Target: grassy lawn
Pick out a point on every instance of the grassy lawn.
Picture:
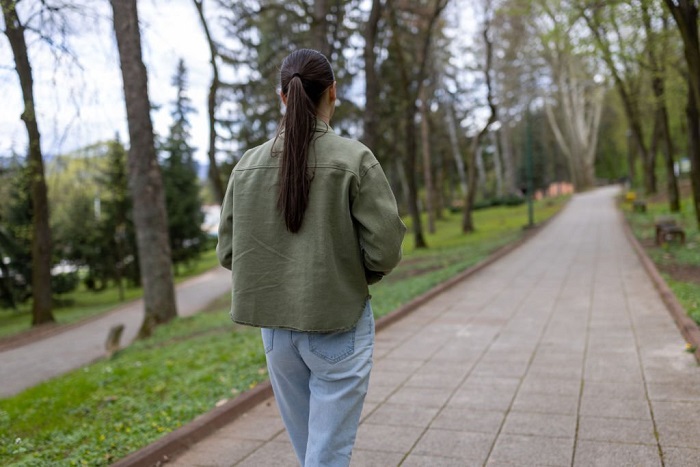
(679, 264)
(100, 413)
(83, 303)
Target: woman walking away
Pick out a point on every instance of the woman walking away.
(308, 221)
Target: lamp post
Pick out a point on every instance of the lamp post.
(529, 171)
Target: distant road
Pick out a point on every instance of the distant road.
(48, 357)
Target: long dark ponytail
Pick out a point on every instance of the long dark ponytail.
(304, 77)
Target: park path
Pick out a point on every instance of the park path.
(45, 358)
(561, 353)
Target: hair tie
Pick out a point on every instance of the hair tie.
(295, 74)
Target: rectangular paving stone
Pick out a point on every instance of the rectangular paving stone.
(471, 447)
(555, 386)
(403, 365)
(417, 415)
(537, 424)
(482, 398)
(613, 390)
(681, 457)
(524, 450)
(616, 430)
(377, 394)
(271, 455)
(387, 438)
(426, 379)
(677, 391)
(427, 397)
(215, 452)
(601, 454)
(546, 403)
(415, 460)
(469, 419)
(388, 378)
(673, 411)
(363, 458)
(615, 408)
(678, 433)
(252, 427)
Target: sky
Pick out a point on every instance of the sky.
(79, 105)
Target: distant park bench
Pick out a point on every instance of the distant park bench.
(668, 230)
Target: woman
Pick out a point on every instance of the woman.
(308, 221)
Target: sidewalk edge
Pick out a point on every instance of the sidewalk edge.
(168, 447)
(184, 437)
(689, 330)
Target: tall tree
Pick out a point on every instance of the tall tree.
(685, 14)
(369, 134)
(576, 94)
(214, 173)
(412, 71)
(656, 45)
(145, 181)
(180, 178)
(474, 147)
(622, 54)
(41, 232)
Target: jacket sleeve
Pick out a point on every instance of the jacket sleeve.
(380, 227)
(224, 247)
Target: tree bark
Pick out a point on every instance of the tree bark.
(456, 154)
(410, 110)
(319, 27)
(497, 164)
(214, 173)
(41, 231)
(369, 136)
(661, 133)
(467, 218)
(145, 183)
(693, 116)
(427, 163)
(685, 14)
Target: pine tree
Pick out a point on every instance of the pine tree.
(180, 178)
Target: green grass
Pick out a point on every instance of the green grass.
(679, 264)
(83, 303)
(100, 413)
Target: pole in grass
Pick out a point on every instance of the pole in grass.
(529, 170)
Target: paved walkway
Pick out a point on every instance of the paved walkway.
(561, 353)
(30, 364)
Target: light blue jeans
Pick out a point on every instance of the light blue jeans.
(320, 382)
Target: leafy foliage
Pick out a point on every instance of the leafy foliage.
(180, 179)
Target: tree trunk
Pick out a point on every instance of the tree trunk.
(41, 231)
(319, 28)
(427, 163)
(686, 16)
(214, 173)
(481, 172)
(694, 150)
(631, 159)
(145, 181)
(510, 181)
(497, 165)
(467, 219)
(456, 153)
(410, 135)
(369, 136)
(674, 199)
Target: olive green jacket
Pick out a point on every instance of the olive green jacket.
(314, 280)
